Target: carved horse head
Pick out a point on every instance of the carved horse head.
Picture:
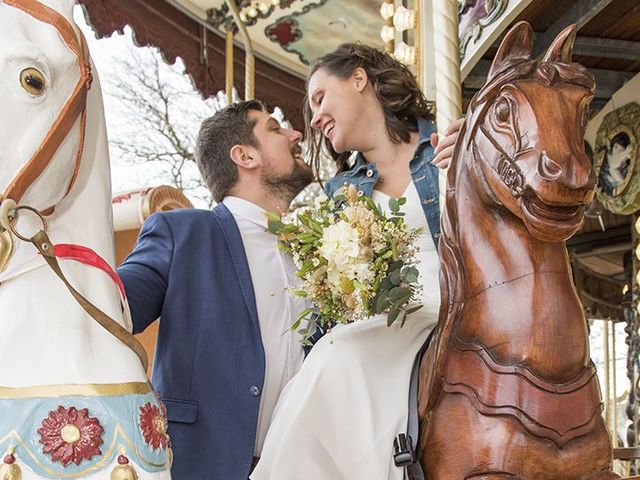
(45, 82)
(525, 133)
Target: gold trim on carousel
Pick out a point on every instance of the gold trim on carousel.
(87, 390)
(102, 463)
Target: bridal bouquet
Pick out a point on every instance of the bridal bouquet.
(353, 260)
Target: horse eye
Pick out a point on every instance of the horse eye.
(503, 111)
(33, 81)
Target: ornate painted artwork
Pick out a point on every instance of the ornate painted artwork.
(474, 16)
(250, 13)
(332, 21)
(615, 160)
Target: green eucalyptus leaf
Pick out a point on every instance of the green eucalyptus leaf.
(414, 308)
(381, 302)
(410, 274)
(397, 293)
(404, 319)
(393, 314)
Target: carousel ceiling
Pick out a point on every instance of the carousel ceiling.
(292, 33)
(287, 35)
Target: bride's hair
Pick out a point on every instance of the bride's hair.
(396, 89)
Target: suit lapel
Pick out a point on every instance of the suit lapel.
(238, 258)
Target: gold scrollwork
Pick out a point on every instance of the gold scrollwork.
(7, 247)
(88, 390)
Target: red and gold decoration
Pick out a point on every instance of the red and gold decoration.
(153, 423)
(124, 470)
(9, 470)
(71, 435)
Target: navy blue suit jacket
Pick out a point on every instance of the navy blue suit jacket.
(189, 268)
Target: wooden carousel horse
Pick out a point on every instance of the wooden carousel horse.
(507, 388)
(74, 398)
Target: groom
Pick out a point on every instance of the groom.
(217, 281)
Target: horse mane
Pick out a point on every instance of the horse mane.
(452, 270)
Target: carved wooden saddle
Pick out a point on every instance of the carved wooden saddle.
(558, 412)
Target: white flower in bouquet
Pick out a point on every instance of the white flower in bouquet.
(339, 245)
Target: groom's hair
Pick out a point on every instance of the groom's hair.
(218, 134)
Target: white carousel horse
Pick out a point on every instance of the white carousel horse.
(74, 399)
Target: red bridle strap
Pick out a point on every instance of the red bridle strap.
(74, 107)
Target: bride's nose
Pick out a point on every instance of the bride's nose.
(315, 121)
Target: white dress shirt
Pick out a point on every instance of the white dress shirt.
(272, 272)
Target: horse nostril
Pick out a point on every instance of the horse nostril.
(548, 168)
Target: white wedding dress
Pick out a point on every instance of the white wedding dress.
(337, 418)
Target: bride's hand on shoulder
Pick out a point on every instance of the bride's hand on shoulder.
(444, 149)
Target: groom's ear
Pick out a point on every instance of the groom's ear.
(244, 156)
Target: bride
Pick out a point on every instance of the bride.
(338, 417)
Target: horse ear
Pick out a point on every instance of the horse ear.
(562, 47)
(516, 46)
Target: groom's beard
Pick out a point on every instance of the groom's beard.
(289, 185)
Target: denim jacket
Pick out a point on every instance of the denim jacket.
(364, 177)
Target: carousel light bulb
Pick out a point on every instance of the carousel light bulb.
(638, 308)
(638, 252)
(404, 19)
(638, 226)
(405, 53)
(386, 10)
(264, 8)
(243, 17)
(638, 277)
(253, 12)
(387, 34)
(275, 3)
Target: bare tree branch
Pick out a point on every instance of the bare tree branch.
(161, 116)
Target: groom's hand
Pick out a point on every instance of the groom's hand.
(444, 149)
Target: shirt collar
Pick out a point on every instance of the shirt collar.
(247, 210)
(425, 129)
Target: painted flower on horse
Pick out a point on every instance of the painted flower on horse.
(354, 260)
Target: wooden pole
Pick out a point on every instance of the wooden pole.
(228, 72)
(249, 62)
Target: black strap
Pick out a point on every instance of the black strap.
(405, 444)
